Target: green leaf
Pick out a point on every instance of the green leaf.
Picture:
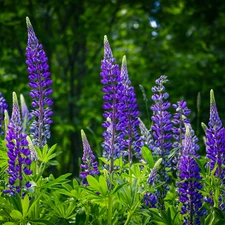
(200, 166)
(25, 205)
(93, 183)
(40, 222)
(15, 214)
(59, 180)
(147, 154)
(10, 223)
(103, 185)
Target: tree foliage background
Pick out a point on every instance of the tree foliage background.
(183, 39)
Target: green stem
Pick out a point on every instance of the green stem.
(130, 214)
(110, 208)
(87, 216)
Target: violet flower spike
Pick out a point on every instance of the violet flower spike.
(18, 152)
(3, 107)
(128, 115)
(178, 121)
(215, 140)
(189, 186)
(110, 79)
(89, 164)
(162, 134)
(39, 81)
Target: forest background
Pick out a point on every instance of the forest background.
(183, 39)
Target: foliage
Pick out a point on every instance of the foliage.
(119, 195)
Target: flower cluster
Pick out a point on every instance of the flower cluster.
(189, 187)
(18, 151)
(127, 114)
(179, 120)
(215, 139)
(162, 132)
(162, 126)
(39, 81)
(3, 107)
(89, 165)
(110, 79)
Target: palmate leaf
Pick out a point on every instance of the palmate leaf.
(46, 154)
(53, 182)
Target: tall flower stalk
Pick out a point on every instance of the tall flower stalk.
(89, 164)
(127, 115)
(189, 186)
(39, 81)
(179, 120)
(215, 139)
(18, 152)
(162, 133)
(3, 107)
(110, 79)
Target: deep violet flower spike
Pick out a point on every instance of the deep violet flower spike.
(127, 115)
(162, 134)
(110, 74)
(18, 152)
(39, 81)
(189, 186)
(3, 107)
(215, 139)
(89, 164)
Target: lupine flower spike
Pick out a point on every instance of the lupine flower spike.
(127, 115)
(150, 199)
(25, 113)
(18, 152)
(110, 79)
(189, 186)
(179, 119)
(89, 164)
(162, 133)
(39, 81)
(215, 139)
(3, 107)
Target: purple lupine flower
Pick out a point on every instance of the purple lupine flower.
(39, 81)
(215, 139)
(3, 107)
(162, 133)
(150, 200)
(162, 126)
(127, 113)
(18, 152)
(89, 165)
(179, 120)
(26, 117)
(146, 135)
(110, 79)
(189, 186)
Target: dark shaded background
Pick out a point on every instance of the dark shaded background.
(184, 39)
